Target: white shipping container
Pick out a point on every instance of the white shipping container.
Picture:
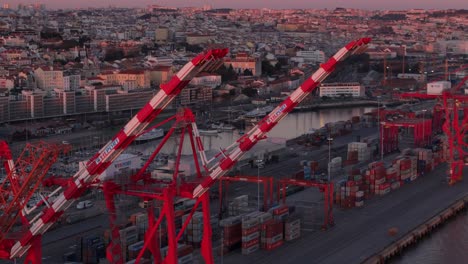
(437, 88)
(356, 146)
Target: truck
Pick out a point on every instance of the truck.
(84, 204)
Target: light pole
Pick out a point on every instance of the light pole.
(378, 126)
(424, 127)
(330, 139)
(259, 164)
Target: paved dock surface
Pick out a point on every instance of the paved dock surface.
(360, 232)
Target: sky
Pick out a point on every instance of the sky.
(277, 4)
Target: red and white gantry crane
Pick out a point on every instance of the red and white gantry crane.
(214, 168)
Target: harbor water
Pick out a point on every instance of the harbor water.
(449, 244)
(292, 126)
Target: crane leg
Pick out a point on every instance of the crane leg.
(34, 255)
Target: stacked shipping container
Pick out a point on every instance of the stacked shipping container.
(380, 180)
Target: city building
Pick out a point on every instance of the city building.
(13, 41)
(161, 35)
(4, 107)
(125, 100)
(197, 39)
(380, 54)
(49, 78)
(160, 74)
(342, 89)
(445, 47)
(207, 79)
(7, 83)
(243, 62)
(311, 56)
(71, 82)
(194, 95)
(131, 79)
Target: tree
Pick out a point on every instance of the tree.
(144, 49)
(114, 54)
(267, 68)
(62, 62)
(50, 35)
(250, 92)
(193, 48)
(83, 40)
(227, 73)
(248, 72)
(68, 44)
(278, 66)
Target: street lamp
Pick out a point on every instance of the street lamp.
(379, 129)
(424, 127)
(259, 166)
(330, 139)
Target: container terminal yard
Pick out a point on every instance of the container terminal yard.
(357, 191)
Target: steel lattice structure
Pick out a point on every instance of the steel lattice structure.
(208, 173)
(23, 178)
(207, 61)
(456, 131)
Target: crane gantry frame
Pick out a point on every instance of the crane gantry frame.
(215, 168)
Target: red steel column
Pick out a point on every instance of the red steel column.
(114, 249)
(153, 246)
(206, 245)
(168, 206)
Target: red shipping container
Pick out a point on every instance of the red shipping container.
(179, 213)
(279, 211)
(384, 186)
(267, 224)
(251, 243)
(248, 231)
(274, 245)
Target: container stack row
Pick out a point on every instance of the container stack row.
(251, 231)
(272, 234)
(194, 231)
(292, 228)
(338, 128)
(240, 205)
(231, 233)
(358, 152)
(128, 236)
(90, 249)
(379, 179)
(260, 230)
(184, 253)
(334, 166)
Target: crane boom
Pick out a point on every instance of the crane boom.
(207, 61)
(233, 153)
